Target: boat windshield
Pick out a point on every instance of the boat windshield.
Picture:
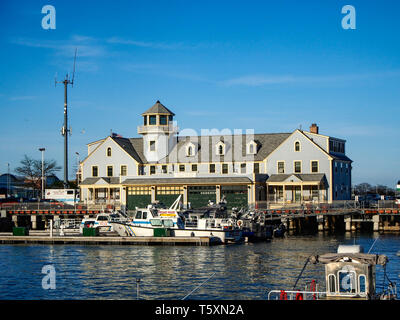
(156, 222)
(168, 223)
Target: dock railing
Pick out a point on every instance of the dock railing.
(295, 295)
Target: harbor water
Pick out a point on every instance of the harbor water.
(238, 272)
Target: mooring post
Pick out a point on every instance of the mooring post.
(51, 228)
(348, 223)
(15, 220)
(33, 221)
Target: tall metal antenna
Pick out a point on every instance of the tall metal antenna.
(64, 129)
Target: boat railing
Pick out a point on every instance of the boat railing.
(295, 295)
(191, 224)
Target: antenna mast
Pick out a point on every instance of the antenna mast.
(64, 129)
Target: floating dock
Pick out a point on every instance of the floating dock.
(80, 240)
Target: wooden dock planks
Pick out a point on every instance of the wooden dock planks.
(192, 241)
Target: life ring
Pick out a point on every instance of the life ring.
(299, 296)
(239, 223)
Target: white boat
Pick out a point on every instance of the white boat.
(156, 221)
(349, 275)
(101, 221)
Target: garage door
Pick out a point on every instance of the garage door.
(138, 197)
(198, 196)
(236, 196)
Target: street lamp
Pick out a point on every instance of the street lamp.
(8, 180)
(77, 167)
(42, 150)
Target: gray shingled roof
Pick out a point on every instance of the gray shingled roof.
(133, 146)
(266, 143)
(109, 180)
(305, 177)
(341, 157)
(158, 108)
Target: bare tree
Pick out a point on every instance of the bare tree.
(31, 169)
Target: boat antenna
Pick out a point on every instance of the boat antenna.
(302, 270)
(373, 244)
(198, 286)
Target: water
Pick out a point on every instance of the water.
(245, 271)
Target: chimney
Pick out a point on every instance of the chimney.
(314, 128)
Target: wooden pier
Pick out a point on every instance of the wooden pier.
(338, 216)
(101, 240)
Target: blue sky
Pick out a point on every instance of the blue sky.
(271, 66)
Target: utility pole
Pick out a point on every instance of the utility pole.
(8, 179)
(42, 150)
(65, 130)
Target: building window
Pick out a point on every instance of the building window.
(220, 148)
(212, 168)
(181, 168)
(194, 167)
(152, 169)
(256, 168)
(297, 146)
(314, 166)
(242, 168)
(163, 120)
(190, 151)
(109, 171)
(145, 120)
(164, 169)
(281, 167)
(139, 191)
(123, 170)
(297, 166)
(95, 171)
(251, 148)
(153, 120)
(224, 168)
(169, 190)
(152, 146)
(108, 152)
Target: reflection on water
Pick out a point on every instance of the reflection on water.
(246, 271)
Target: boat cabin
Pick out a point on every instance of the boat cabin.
(350, 273)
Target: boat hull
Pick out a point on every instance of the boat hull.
(130, 230)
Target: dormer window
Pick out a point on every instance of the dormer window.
(297, 146)
(252, 147)
(108, 152)
(190, 149)
(220, 148)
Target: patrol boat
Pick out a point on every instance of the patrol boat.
(156, 220)
(349, 274)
